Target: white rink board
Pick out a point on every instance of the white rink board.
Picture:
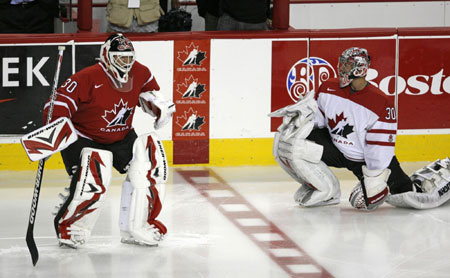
(369, 15)
(240, 86)
(240, 83)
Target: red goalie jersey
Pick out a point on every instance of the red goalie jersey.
(361, 124)
(98, 109)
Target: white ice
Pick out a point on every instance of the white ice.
(212, 235)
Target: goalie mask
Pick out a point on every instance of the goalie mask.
(117, 54)
(354, 62)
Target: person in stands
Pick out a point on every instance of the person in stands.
(28, 16)
(243, 15)
(135, 15)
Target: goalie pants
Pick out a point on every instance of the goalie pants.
(122, 152)
(398, 181)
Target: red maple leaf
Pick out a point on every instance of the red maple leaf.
(333, 123)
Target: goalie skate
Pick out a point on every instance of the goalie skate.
(151, 234)
(304, 196)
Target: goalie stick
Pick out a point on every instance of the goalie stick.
(40, 171)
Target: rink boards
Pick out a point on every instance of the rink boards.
(239, 79)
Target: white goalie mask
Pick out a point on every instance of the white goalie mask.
(354, 62)
(117, 54)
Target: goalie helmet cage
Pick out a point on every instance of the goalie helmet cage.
(31, 244)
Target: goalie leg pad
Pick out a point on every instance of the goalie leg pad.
(79, 212)
(300, 158)
(434, 182)
(143, 192)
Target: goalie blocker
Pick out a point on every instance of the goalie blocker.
(49, 139)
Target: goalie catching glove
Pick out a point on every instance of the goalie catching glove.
(297, 117)
(154, 104)
(431, 187)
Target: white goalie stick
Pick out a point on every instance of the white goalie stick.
(37, 184)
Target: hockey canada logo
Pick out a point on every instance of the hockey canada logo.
(191, 56)
(339, 126)
(190, 120)
(119, 115)
(298, 83)
(191, 88)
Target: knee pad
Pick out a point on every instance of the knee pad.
(143, 192)
(300, 158)
(78, 213)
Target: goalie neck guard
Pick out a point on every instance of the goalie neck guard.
(118, 56)
(354, 62)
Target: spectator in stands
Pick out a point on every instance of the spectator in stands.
(135, 15)
(243, 15)
(28, 16)
(174, 4)
(209, 10)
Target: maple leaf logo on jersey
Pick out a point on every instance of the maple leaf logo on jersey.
(190, 120)
(191, 88)
(340, 126)
(191, 56)
(119, 115)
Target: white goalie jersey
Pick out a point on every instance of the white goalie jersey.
(362, 124)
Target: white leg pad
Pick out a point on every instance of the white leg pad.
(143, 191)
(300, 158)
(434, 180)
(78, 214)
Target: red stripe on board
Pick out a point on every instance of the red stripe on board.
(280, 243)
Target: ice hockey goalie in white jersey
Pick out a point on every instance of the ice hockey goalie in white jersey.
(351, 124)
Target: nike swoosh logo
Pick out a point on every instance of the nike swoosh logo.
(98, 86)
(330, 90)
(6, 99)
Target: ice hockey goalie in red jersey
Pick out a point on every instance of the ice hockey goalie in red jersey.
(101, 101)
(351, 124)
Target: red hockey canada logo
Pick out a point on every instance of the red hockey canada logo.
(190, 120)
(340, 126)
(191, 88)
